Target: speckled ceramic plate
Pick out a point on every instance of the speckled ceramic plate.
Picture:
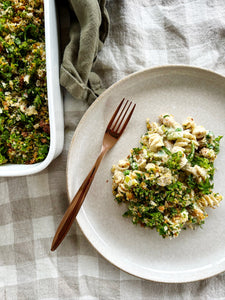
(182, 91)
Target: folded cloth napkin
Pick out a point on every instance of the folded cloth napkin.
(88, 31)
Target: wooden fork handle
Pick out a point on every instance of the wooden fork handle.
(75, 205)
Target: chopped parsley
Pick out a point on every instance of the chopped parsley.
(191, 155)
(174, 160)
(215, 144)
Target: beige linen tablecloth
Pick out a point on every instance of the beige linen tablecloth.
(143, 34)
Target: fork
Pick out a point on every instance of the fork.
(113, 132)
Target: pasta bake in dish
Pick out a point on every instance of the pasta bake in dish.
(24, 116)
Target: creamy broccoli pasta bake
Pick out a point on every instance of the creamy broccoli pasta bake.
(167, 182)
(24, 117)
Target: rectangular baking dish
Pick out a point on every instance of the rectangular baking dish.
(55, 99)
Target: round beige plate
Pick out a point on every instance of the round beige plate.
(182, 91)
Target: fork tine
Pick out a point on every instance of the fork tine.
(127, 120)
(115, 113)
(119, 115)
(116, 128)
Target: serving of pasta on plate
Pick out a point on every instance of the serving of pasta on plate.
(167, 182)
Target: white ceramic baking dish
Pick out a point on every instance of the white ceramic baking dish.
(55, 99)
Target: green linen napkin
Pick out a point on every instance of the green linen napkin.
(88, 30)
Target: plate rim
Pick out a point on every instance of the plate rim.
(79, 219)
